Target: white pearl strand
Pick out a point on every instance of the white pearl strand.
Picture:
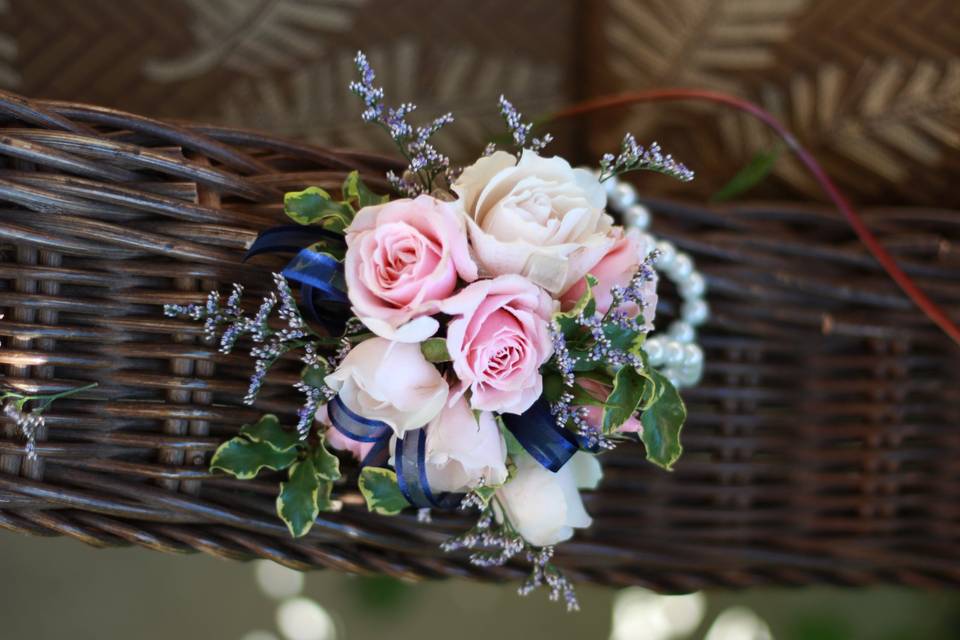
(677, 353)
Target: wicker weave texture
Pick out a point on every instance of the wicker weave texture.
(822, 445)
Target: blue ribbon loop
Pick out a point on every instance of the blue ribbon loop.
(355, 426)
(320, 276)
(288, 238)
(538, 432)
(409, 459)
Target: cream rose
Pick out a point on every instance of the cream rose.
(537, 217)
(546, 507)
(391, 382)
(464, 450)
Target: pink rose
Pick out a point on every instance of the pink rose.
(402, 259)
(498, 339)
(336, 440)
(594, 415)
(615, 269)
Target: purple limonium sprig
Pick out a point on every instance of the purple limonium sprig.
(428, 168)
(633, 157)
(494, 543)
(519, 130)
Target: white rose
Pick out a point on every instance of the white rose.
(463, 450)
(391, 382)
(538, 217)
(545, 507)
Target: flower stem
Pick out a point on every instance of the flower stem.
(933, 311)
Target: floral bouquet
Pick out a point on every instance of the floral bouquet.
(475, 342)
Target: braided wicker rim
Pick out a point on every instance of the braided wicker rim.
(822, 445)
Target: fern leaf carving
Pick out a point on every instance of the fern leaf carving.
(255, 36)
(313, 103)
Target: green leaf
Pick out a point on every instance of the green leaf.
(355, 189)
(336, 249)
(244, 459)
(552, 386)
(314, 376)
(313, 205)
(381, 491)
(268, 431)
(662, 423)
(750, 176)
(624, 339)
(624, 399)
(327, 465)
(324, 502)
(435, 350)
(297, 502)
(585, 305)
(514, 448)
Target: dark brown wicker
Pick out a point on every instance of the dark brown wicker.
(822, 446)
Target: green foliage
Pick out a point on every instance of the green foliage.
(624, 398)
(586, 305)
(244, 459)
(381, 491)
(662, 422)
(314, 376)
(354, 190)
(326, 464)
(435, 350)
(297, 503)
(268, 431)
(314, 206)
(750, 176)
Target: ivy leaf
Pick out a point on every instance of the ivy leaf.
(355, 189)
(268, 431)
(381, 491)
(514, 448)
(326, 464)
(333, 248)
(750, 176)
(552, 386)
(435, 350)
(585, 305)
(624, 339)
(662, 423)
(244, 459)
(622, 403)
(297, 503)
(313, 205)
(324, 502)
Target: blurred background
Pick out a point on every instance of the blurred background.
(873, 88)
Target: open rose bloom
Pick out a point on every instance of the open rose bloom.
(474, 338)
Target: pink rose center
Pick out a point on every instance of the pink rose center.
(502, 350)
(403, 256)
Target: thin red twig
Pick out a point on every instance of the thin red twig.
(905, 282)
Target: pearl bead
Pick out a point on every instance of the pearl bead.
(689, 376)
(681, 268)
(637, 216)
(672, 377)
(610, 185)
(692, 355)
(682, 331)
(693, 286)
(695, 311)
(623, 196)
(672, 352)
(654, 349)
(647, 243)
(668, 253)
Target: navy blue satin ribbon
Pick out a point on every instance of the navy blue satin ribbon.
(536, 429)
(355, 426)
(289, 238)
(379, 454)
(319, 275)
(409, 459)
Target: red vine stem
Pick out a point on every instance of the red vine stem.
(928, 306)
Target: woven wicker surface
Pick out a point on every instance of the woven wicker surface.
(822, 445)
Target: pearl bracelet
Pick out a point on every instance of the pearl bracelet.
(677, 353)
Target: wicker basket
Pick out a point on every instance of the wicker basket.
(822, 445)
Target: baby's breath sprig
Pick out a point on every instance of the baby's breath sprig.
(633, 157)
(30, 422)
(428, 168)
(493, 542)
(519, 130)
